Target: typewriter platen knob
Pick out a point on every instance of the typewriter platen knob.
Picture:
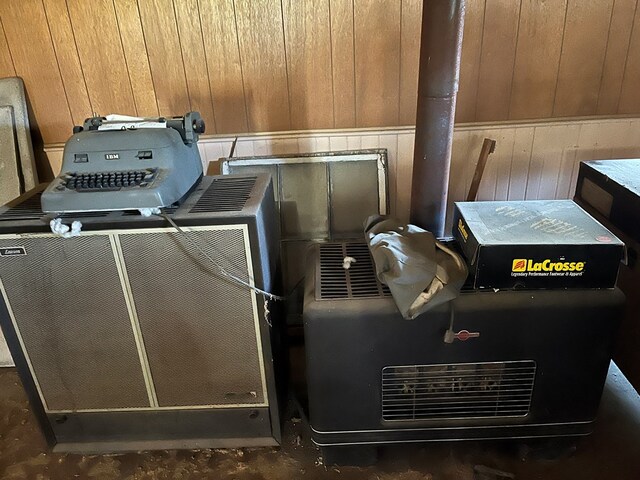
(198, 125)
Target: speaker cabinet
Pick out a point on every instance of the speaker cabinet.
(133, 336)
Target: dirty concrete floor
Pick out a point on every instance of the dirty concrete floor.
(613, 451)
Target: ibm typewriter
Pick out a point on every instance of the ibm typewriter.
(127, 163)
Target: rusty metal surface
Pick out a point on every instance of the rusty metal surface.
(440, 50)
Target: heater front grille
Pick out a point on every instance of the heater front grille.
(225, 195)
(455, 391)
(358, 281)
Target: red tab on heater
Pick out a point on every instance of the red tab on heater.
(464, 335)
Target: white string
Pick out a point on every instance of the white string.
(220, 268)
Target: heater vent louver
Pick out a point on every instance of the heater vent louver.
(225, 195)
(30, 209)
(455, 391)
(27, 210)
(359, 281)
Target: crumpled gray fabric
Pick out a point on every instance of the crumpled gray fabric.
(420, 271)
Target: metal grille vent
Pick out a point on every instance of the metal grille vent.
(27, 210)
(30, 209)
(81, 215)
(136, 213)
(461, 390)
(79, 360)
(193, 341)
(359, 281)
(225, 195)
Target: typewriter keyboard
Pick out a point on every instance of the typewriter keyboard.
(106, 181)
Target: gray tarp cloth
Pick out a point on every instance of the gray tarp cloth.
(420, 271)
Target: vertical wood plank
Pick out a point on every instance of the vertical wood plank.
(499, 39)
(558, 162)
(627, 145)
(616, 56)
(244, 148)
(460, 157)
(587, 147)
(520, 160)
(307, 29)
(165, 56)
(390, 142)
(306, 144)
(338, 143)
(342, 60)
(470, 61)
(195, 62)
(377, 62)
(630, 93)
(537, 58)
(411, 30)
(369, 141)
(64, 45)
(500, 161)
(586, 34)
(284, 146)
(218, 22)
(6, 63)
(35, 61)
(101, 56)
(549, 147)
(262, 52)
(597, 141)
(135, 53)
(322, 144)
(354, 142)
(404, 175)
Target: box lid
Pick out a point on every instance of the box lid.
(533, 222)
(624, 172)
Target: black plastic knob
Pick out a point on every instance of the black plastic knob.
(198, 125)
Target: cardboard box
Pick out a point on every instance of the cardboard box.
(536, 244)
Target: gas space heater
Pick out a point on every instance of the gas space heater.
(523, 364)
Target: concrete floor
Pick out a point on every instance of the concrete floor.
(612, 452)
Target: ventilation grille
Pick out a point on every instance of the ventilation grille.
(30, 209)
(359, 281)
(225, 195)
(136, 213)
(27, 210)
(453, 391)
(207, 372)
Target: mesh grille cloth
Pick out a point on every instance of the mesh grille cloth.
(198, 329)
(58, 292)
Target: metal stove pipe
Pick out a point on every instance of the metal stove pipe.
(440, 49)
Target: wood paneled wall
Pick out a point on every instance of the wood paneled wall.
(273, 65)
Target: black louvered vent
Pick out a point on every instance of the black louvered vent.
(460, 390)
(30, 209)
(81, 215)
(358, 281)
(225, 195)
(136, 213)
(27, 210)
